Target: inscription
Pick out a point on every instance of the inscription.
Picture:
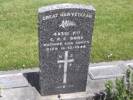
(68, 14)
(65, 86)
(66, 41)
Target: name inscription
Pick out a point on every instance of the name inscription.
(66, 41)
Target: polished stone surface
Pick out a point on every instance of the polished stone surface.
(65, 34)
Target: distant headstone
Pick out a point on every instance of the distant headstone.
(65, 34)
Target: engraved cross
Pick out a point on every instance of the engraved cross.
(65, 61)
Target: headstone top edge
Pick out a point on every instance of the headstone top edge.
(65, 6)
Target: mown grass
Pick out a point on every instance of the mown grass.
(112, 38)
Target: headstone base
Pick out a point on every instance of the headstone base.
(26, 88)
(70, 96)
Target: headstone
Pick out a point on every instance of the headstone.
(65, 34)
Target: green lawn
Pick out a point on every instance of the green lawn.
(112, 38)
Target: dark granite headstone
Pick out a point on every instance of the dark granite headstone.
(65, 33)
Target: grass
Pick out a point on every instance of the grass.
(112, 38)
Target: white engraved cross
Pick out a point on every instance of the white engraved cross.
(65, 61)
